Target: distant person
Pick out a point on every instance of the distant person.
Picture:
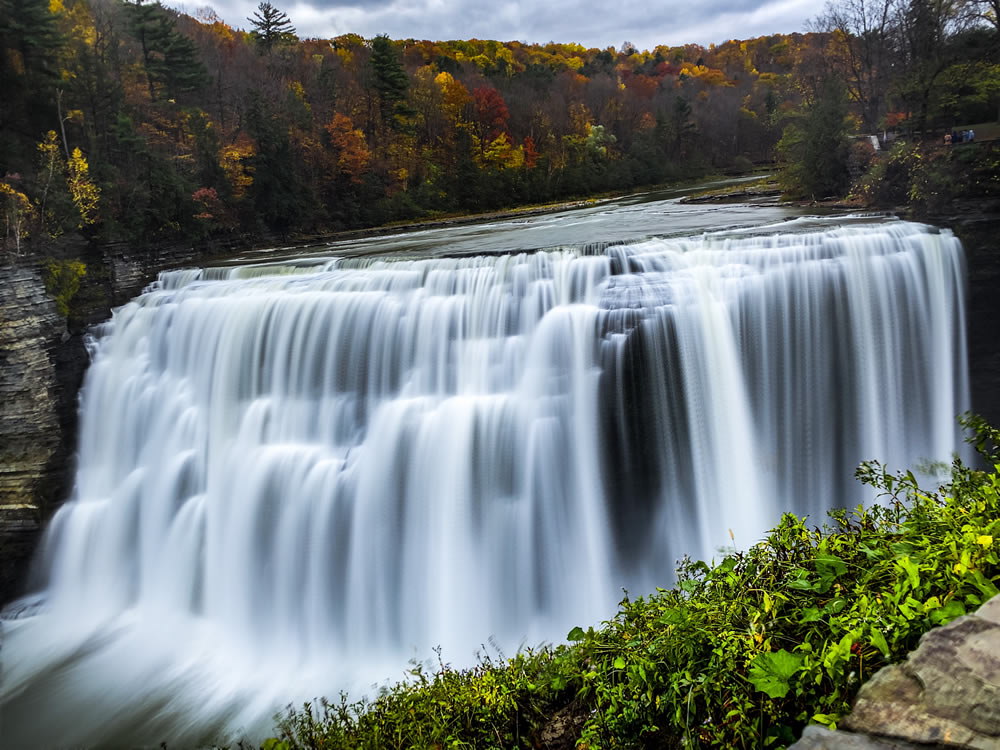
(972, 135)
(947, 139)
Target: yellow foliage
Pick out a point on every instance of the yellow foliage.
(86, 195)
(502, 155)
(49, 147)
(17, 214)
(239, 175)
(574, 63)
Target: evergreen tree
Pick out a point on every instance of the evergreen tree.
(29, 45)
(390, 82)
(271, 27)
(169, 57)
(813, 148)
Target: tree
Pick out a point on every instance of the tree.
(813, 148)
(863, 50)
(86, 195)
(29, 70)
(390, 82)
(271, 27)
(169, 57)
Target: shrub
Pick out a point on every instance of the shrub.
(740, 654)
(62, 281)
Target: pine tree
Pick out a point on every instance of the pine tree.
(271, 27)
(390, 81)
(169, 57)
(29, 47)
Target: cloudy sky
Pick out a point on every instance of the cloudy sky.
(593, 23)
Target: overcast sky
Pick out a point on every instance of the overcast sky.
(592, 23)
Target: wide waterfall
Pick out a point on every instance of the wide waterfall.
(295, 477)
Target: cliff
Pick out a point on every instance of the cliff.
(41, 368)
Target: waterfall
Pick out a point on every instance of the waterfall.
(292, 478)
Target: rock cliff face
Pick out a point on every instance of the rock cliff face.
(42, 364)
(41, 367)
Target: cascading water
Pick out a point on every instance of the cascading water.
(294, 478)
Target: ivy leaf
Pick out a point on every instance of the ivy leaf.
(619, 663)
(576, 634)
(770, 672)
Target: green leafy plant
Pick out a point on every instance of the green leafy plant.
(62, 281)
(741, 654)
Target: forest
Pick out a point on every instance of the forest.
(131, 121)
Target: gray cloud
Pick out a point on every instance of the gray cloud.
(588, 22)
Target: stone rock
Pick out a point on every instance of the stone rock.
(945, 695)
(820, 738)
(947, 692)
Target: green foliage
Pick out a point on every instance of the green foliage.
(929, 178)
(62, 282)
(740, 654)
(813, 149)
(169, 57)
(271, 27)
(390, 82)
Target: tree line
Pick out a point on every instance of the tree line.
(129, 120)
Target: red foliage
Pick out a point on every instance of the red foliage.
(491, 112)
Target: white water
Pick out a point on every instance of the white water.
(290, 483)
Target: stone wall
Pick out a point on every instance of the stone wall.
(977, 228)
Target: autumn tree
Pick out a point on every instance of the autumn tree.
(17, 215)
(271, 27)
(54, 204)
(863, 49)
(85, 194)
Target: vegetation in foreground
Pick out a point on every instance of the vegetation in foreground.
(739, 654)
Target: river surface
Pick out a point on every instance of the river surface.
(301, 469)
(658, 213)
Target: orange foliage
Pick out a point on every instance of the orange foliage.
(352, 150)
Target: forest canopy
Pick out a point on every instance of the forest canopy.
(130, 120)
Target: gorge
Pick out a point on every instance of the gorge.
(295, 476)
